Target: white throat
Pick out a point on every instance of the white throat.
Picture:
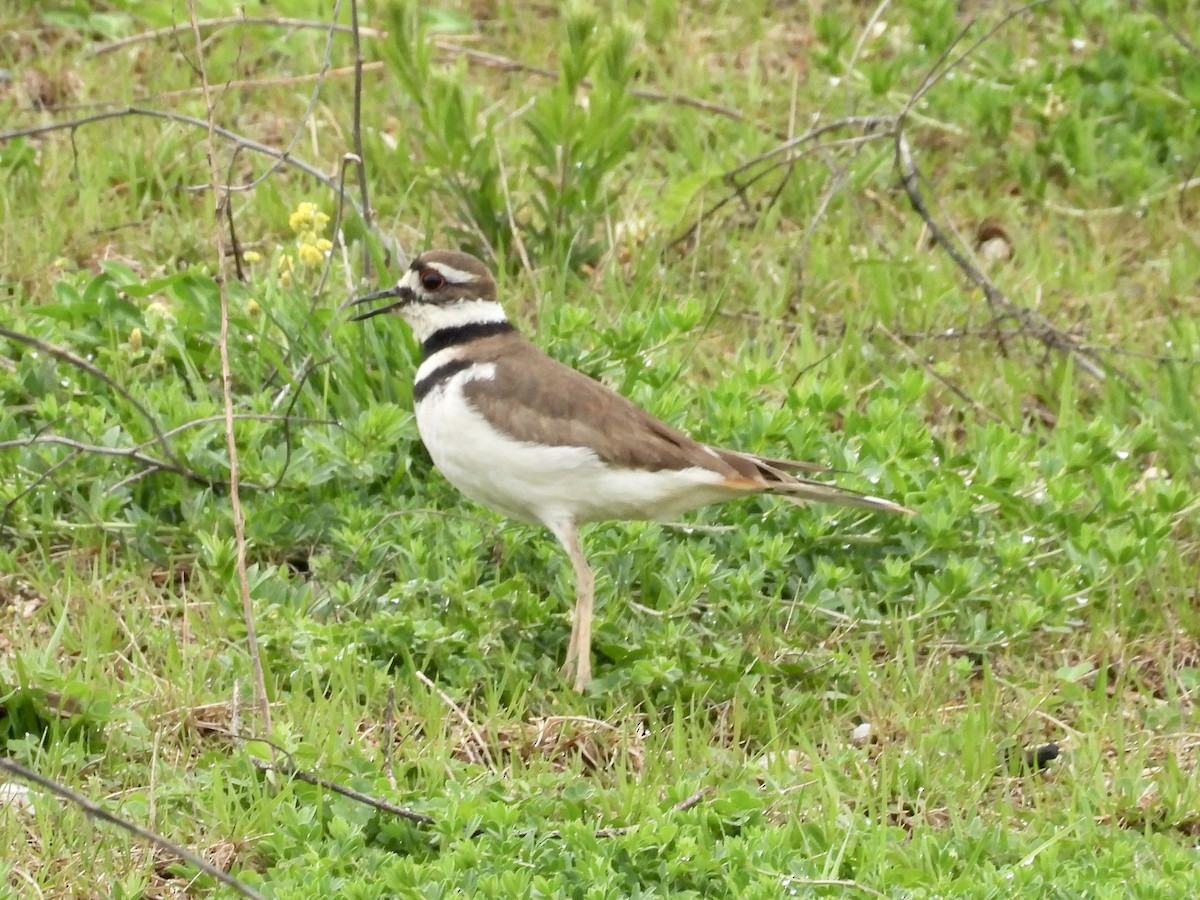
(428, 318)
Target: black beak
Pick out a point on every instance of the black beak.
(404, 295)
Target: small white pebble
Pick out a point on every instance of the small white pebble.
(861, 733)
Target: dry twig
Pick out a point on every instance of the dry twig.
(478, 57)
(221, 197)
(873, 128)
(308, 778)
(484, 750)
(98, 812)
(74, 359)
(131, 453)
(240, 140)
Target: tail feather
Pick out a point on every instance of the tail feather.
(801, 490)
(776, 476)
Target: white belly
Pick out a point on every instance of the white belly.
(539, 484)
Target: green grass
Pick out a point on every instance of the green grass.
(1045, 592)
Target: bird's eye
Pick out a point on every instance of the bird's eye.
(431, 280)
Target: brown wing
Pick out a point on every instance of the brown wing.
(536, 398)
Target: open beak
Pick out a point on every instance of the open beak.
(394, 291)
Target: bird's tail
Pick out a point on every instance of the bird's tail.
(777, 476)
(802, 490)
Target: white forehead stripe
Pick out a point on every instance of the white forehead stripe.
(453, 275)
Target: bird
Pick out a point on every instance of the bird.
(540, 442)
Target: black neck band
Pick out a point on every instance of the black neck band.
(462, 334)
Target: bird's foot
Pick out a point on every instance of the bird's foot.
(579, 670)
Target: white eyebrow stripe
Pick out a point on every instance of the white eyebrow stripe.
(453, 275)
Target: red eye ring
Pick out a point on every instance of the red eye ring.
(432, 280)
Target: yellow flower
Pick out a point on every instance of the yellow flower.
(286, 263)
(303, 217)
(252, 308)
(135, 339)
(307, 221)
(251, 256)
(310, 255)
(324, 245)
(285, 279)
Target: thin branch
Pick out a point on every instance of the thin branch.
(152, 464)
(389, 727)
(127, 111)
(791, 147)
(682, 806)
(1051, 337)
(463, 717)
(33, 486)
(245, 417)
(208, 24)
(356, 134)
(1170, 29)
(326, 62)
(338, 237)
(233, 84)
(879, 126)
(478, 57)
(221, 197)
(98, 812)
(74, 359)
(954, 388)
(938, 71)
(308, 778)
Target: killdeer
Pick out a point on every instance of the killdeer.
(524, 434)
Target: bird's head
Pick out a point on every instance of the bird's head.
(441, 289)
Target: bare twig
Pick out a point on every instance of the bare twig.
(74, 359)
(131, 453)
(42, 477)
(954, 388)
(874, 128)
(220, 198)
(233, 84)
(356, 135)
(308, 778)
(127, 111)
(326, 62)
(477, 57)
(1185, 42)
(98, 812)
(209, 24)
(940, 68)
(504, 64)
(244, 417)
(682, 806)
(348, 159)
(389, 729)
(877, 126)
(463, 717)
(1051, 337)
